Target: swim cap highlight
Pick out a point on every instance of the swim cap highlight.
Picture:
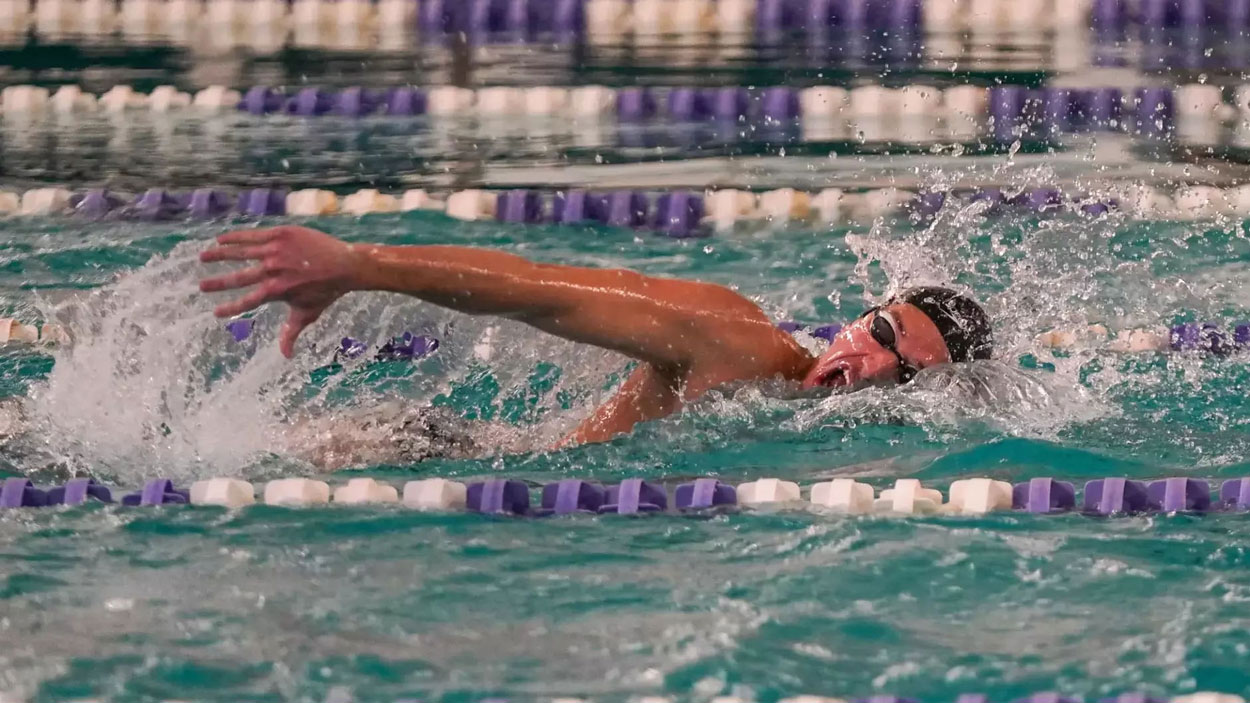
(962, 322)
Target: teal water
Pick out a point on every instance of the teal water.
(381, 603)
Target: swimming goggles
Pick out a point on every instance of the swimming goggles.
(882, 330)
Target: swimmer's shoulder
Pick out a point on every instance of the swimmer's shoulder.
(784, 356)
(770, 354)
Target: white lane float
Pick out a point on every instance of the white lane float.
(786, 205)
(370, 201)
(216, 98)
(365, 490)
(44, 201)
(297, 492)
(471, 205)
(592, 101)
(435, 494)
(727, 207)
(908, 497)
(226, 492)
(311, 202)
(977, 496)
(844, 495)
(768, 491)
(165, 98)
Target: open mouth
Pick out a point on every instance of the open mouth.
(833, 378)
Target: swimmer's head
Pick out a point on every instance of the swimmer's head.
(920, 327)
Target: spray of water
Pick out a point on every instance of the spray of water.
(154, 381)
(1033, 275)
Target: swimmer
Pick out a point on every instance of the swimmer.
(690, 337)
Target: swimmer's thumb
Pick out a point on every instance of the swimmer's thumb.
(294, 325)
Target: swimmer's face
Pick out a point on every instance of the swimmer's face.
(858, 357)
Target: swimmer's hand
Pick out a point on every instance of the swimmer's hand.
(306, 269)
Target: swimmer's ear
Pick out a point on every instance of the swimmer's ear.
(299, 319)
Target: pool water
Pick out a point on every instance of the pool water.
(383, 603)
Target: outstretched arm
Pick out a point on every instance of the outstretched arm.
(669, 323)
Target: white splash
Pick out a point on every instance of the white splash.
(154, 383)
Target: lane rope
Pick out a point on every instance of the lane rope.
(1112, 496)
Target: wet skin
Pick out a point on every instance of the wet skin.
(690, 336)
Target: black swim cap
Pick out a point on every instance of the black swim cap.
(964, 325)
